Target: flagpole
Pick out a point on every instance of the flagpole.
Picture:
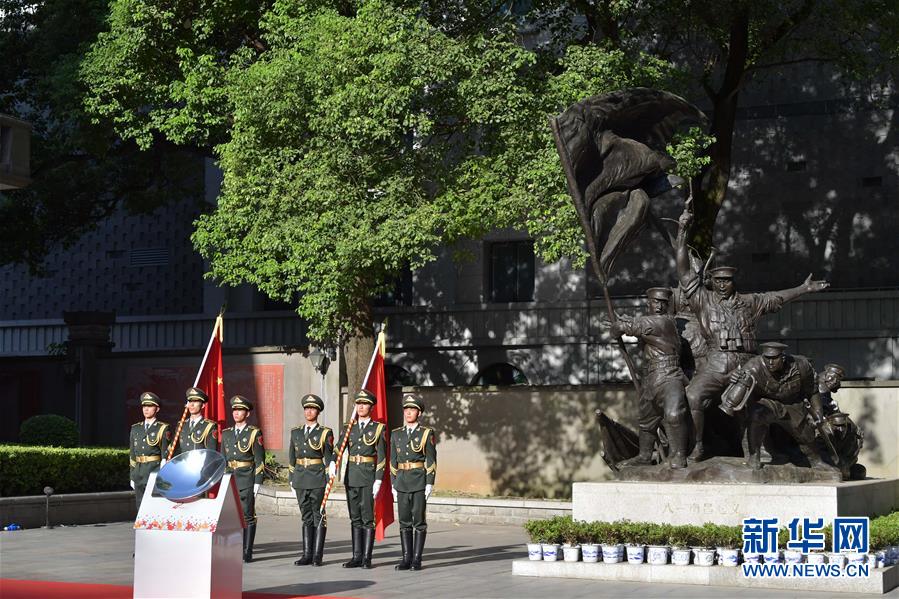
(215, 329)
(379, 347)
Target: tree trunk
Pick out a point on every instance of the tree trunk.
(710, 188)
(357, 352)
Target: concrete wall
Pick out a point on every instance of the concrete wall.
(75, 508)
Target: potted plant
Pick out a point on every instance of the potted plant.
(569, 532)
(610, 537)
(536, 530)
(551, 547)
(728, 540)
(590, 551)
(657, 539)
(704, 549)
(679, 539)
(634, 539)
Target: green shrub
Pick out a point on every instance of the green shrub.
(50, 430)
(26, 470)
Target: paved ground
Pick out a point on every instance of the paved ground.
(460, 561)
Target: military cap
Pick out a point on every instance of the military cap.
(195, 394)
(772, 349)
(836, 369)
(838, 418)
(366, 396)
(239, 401)
(659, 293)
(413, 400)
(149, 399)
(313, 401)
(722, 272)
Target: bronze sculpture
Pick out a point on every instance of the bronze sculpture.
(662, 398)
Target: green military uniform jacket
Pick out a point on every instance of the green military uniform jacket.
(147, 443)
(369, 445)
(201, 436)
(319, 445)
(419, 451)
(245, 454)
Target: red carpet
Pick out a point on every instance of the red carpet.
(34, 589)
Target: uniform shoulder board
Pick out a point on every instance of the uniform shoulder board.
(296, 428)
(250, 427)
(137, 424)
(326, 429)
(227, 429)
(397, 429)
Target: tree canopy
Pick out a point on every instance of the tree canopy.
(82, 169)
(357, 137)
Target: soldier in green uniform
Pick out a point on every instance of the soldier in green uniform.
(197, 432)
(413, 467)
(311, 463)
(149, 445)
(364, 472)
(243, 448)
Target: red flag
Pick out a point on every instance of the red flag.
(210, 376)
(376, 384)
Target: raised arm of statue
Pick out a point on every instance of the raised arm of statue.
(684, 271)
(808, 286)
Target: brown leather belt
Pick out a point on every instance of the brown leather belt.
(410, 465)
(362, 459)
(308, 461)
(143, 459)
(238, 464)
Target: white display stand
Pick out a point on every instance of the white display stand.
(191, 549)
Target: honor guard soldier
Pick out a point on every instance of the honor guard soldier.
(149, 444)
(197, 432)
(364, 472)
(245, 453)
(413, 467)
(311, 463)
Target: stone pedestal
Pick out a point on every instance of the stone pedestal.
(721, 503)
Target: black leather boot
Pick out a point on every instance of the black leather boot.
(368, 544)
(677, 444)
(249, 537)
(419, 547)
(406, 543)
(320, 533)
(356, 561)
(644, 458)
(699, 453)
(308, 545)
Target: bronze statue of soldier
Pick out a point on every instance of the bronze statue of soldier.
(662, 395)
(846, 437)
(727, 321)
(785, 392)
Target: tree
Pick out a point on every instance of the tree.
(82, 170)
(724, 46)
(356, 140)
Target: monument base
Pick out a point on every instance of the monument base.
(722, 503)
(730, 470)
(878, 581)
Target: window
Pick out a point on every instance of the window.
(511, 271)
(397, 376)
(499, 375)
(401, 294)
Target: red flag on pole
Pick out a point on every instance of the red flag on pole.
(376, 384)
(209, 378)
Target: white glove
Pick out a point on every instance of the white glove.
(392, 490)
(428, 489)
(332, 469)
(256, 488)
(132, 483)
(375, 488)
(162, 462)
